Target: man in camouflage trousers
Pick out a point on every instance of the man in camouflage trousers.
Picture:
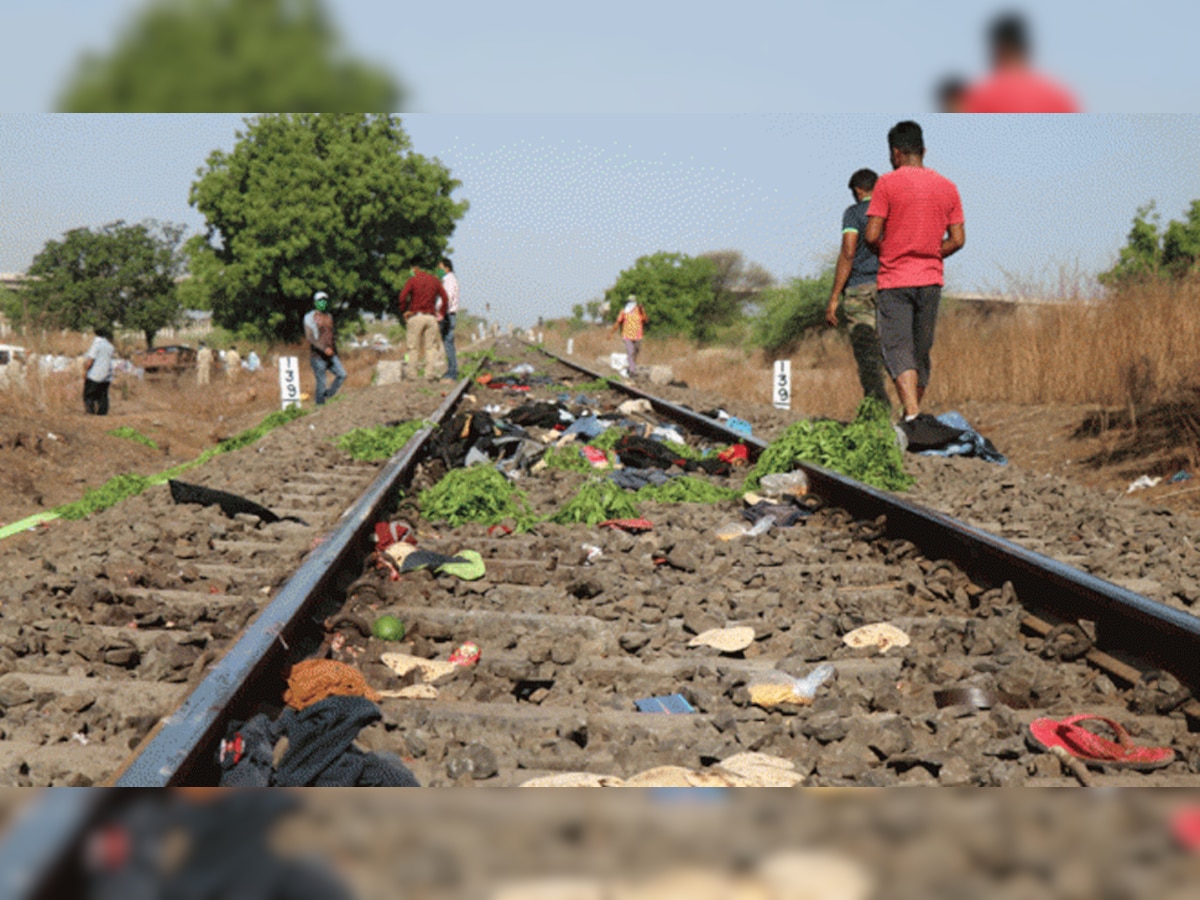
(852, 300)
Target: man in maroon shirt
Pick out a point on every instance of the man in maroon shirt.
(1013, 85)
(420, 308)
(915, 220)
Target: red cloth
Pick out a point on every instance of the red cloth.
(1018, 90)
(420, 295)
(737, 455)
(916, 204)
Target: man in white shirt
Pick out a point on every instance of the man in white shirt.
(446, 325)
(99, 374)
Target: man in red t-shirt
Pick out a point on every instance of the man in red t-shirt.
(1014, 86)
(420, 309)
(915, 220)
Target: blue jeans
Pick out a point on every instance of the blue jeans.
(321, 365)
(446, 327)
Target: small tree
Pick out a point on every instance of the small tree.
(117, 273)
(304, 202)
(595, 310)
(1142, 253)
(735, 282)
(787, 312)
(229, 56)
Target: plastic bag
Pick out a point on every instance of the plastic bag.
(781, 483)
(733, 530)
(773, 688)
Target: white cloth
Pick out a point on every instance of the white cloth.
(101, 354)
(450, 283)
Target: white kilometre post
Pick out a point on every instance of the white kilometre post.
(289, 382)
(781, 384)
(570, 346)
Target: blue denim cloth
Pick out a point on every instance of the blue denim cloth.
(971, 443)
(321, 365)
(446, 327)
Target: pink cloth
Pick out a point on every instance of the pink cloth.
(917, 205)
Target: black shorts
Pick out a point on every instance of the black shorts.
(905, 319)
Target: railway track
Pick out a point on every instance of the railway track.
(576, 624)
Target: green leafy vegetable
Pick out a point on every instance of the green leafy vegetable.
(250, 435)
(607, 439)
(596, 501)
(568, 458)
(478, 494)
(686, 490)
(600, 384)
(378, 443)
(133, 434)
(864, 450)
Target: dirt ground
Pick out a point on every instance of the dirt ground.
(51, 451)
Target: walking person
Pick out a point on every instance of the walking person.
(446, 324)
(854, 280)
(1013, 85)
(914, 221)
(318, 329)
(632, 321)
(423, 300)
(100, 373)
(204, 361)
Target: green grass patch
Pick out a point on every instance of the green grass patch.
(596, 501)
(132, 434)
(686, 490)
(250, 435)
(864, 450)
(608, 438)
(381, 442)
(108, 494)
(478, 494)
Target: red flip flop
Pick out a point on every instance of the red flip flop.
(1091, 748)
(633, 526)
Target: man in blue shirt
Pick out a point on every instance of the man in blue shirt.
(854, 278)
(100, 372)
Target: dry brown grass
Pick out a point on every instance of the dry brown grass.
(1134, 350)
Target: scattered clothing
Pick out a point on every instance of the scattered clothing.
(926, 433)
(636, 479)
(784, 514)
(968, 443)
(321, 753)
(313, 680)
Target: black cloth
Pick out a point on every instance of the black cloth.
(927, 433)
(231, 504)
(247, 753)
(95, 397)
(536, 415)
(644, 453)
(321, 752)
(450, 443)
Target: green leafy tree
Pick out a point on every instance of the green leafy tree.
(115, 274)
(735, 282)
(335, 202)
(229, 56)
(1142, 254)
(1181, 244)
(595, 309)
(672, 287)
(788, 311)
(577, 314)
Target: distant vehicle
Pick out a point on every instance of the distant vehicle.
(172, 359)
(10, 353)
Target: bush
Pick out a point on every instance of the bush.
(786, 313)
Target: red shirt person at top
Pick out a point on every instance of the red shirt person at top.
(1013, 85)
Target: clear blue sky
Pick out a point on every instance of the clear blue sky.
(560, 204)
(703, 56)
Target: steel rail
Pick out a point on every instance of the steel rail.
(1126, 623)
(181, 748)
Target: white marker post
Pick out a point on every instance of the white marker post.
(781, 389)
(570, 346)
(289, 382)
